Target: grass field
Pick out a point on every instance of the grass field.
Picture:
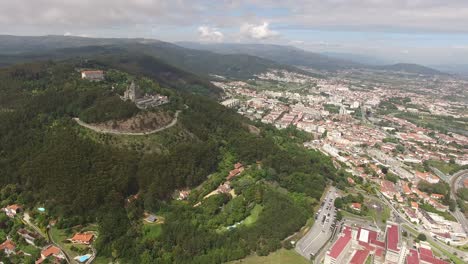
(59, 237)
(281, 256)
(445, 167)
(254, 214)
(152, 231)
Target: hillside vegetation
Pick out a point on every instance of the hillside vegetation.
(81, 179)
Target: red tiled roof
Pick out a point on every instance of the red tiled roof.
(340, 244)
(82, 237)
(393, 238)
(431, 260)
(425, 251)
(51, 250)
(14, 207)
(359, 257)
(412, 257)
(373, 239)
(8, 244)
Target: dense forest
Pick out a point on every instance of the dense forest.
(80, 180)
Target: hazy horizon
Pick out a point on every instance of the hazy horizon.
(430, 32)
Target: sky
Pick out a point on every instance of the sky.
(429, 32)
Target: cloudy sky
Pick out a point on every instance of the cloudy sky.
(422, 31)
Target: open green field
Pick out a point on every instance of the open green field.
(59, 236)
(152, 231)
(281, 256)
(445, 167)
(254, 214)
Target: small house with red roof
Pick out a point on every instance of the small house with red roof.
(82, 238)
(12, 210)
(238, 169)
(356, 206)
(8, 247)
(50, 252)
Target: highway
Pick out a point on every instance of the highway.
(321, 231)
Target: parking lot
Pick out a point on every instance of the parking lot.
(322, 229)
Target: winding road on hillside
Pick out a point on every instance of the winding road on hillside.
(116, 132)
(27, 221)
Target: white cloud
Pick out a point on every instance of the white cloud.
(210, 34)
(67, 34)
(258, 32)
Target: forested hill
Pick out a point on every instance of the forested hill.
(135, 62)
(14, 49)
(83, 178)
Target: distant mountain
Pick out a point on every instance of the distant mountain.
(201, 62)
(460, 69)
(410, 68)
(282, 54)
(359, 58)
(297, 57)
(238, 61)
(21, 44)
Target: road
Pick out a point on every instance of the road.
(27, 221)
(456, 181)
(116, 132)
(318, 235)
(401, 218)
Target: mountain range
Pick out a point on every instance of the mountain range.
(237, 61)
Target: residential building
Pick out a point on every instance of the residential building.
(29, 237)
(238, 169)
(12, 210)
(356, 206)
(50, 252)
(8, 247)
(82, 238)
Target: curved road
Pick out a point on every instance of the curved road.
(454, 184)
(27, 221)
(115, 132)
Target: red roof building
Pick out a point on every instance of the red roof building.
(356, 206)
(82, 238)
(12, 210)
(238, 169)
(339, 248)
(393, 243)
(49, 252)
(424, 256)
(360, 257)
(8, 247)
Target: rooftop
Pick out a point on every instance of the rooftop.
(393, 238)
(340, 244)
